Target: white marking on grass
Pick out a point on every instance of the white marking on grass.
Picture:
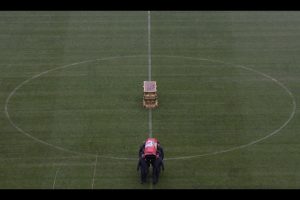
(163, 56)
(260, 139)
(149, 69)
(82, 163)
(53, 187)
(48, 158)
(43, 73)
(149, 45)
(94, 172)
(150, 122)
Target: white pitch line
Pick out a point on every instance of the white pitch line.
(257, 140)
(151, 186)
(40, 157)
(150, 122)
(53, 187)
(149, 69)
(94, 172)
(149, 73)
(46, 72)
(162, 56)
(57, 164)
(149, 45)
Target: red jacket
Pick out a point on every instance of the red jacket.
(150, 146)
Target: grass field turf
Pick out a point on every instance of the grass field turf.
(95, 108)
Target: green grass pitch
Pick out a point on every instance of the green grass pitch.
(71, 112)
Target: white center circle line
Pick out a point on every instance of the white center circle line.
(163, 56)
